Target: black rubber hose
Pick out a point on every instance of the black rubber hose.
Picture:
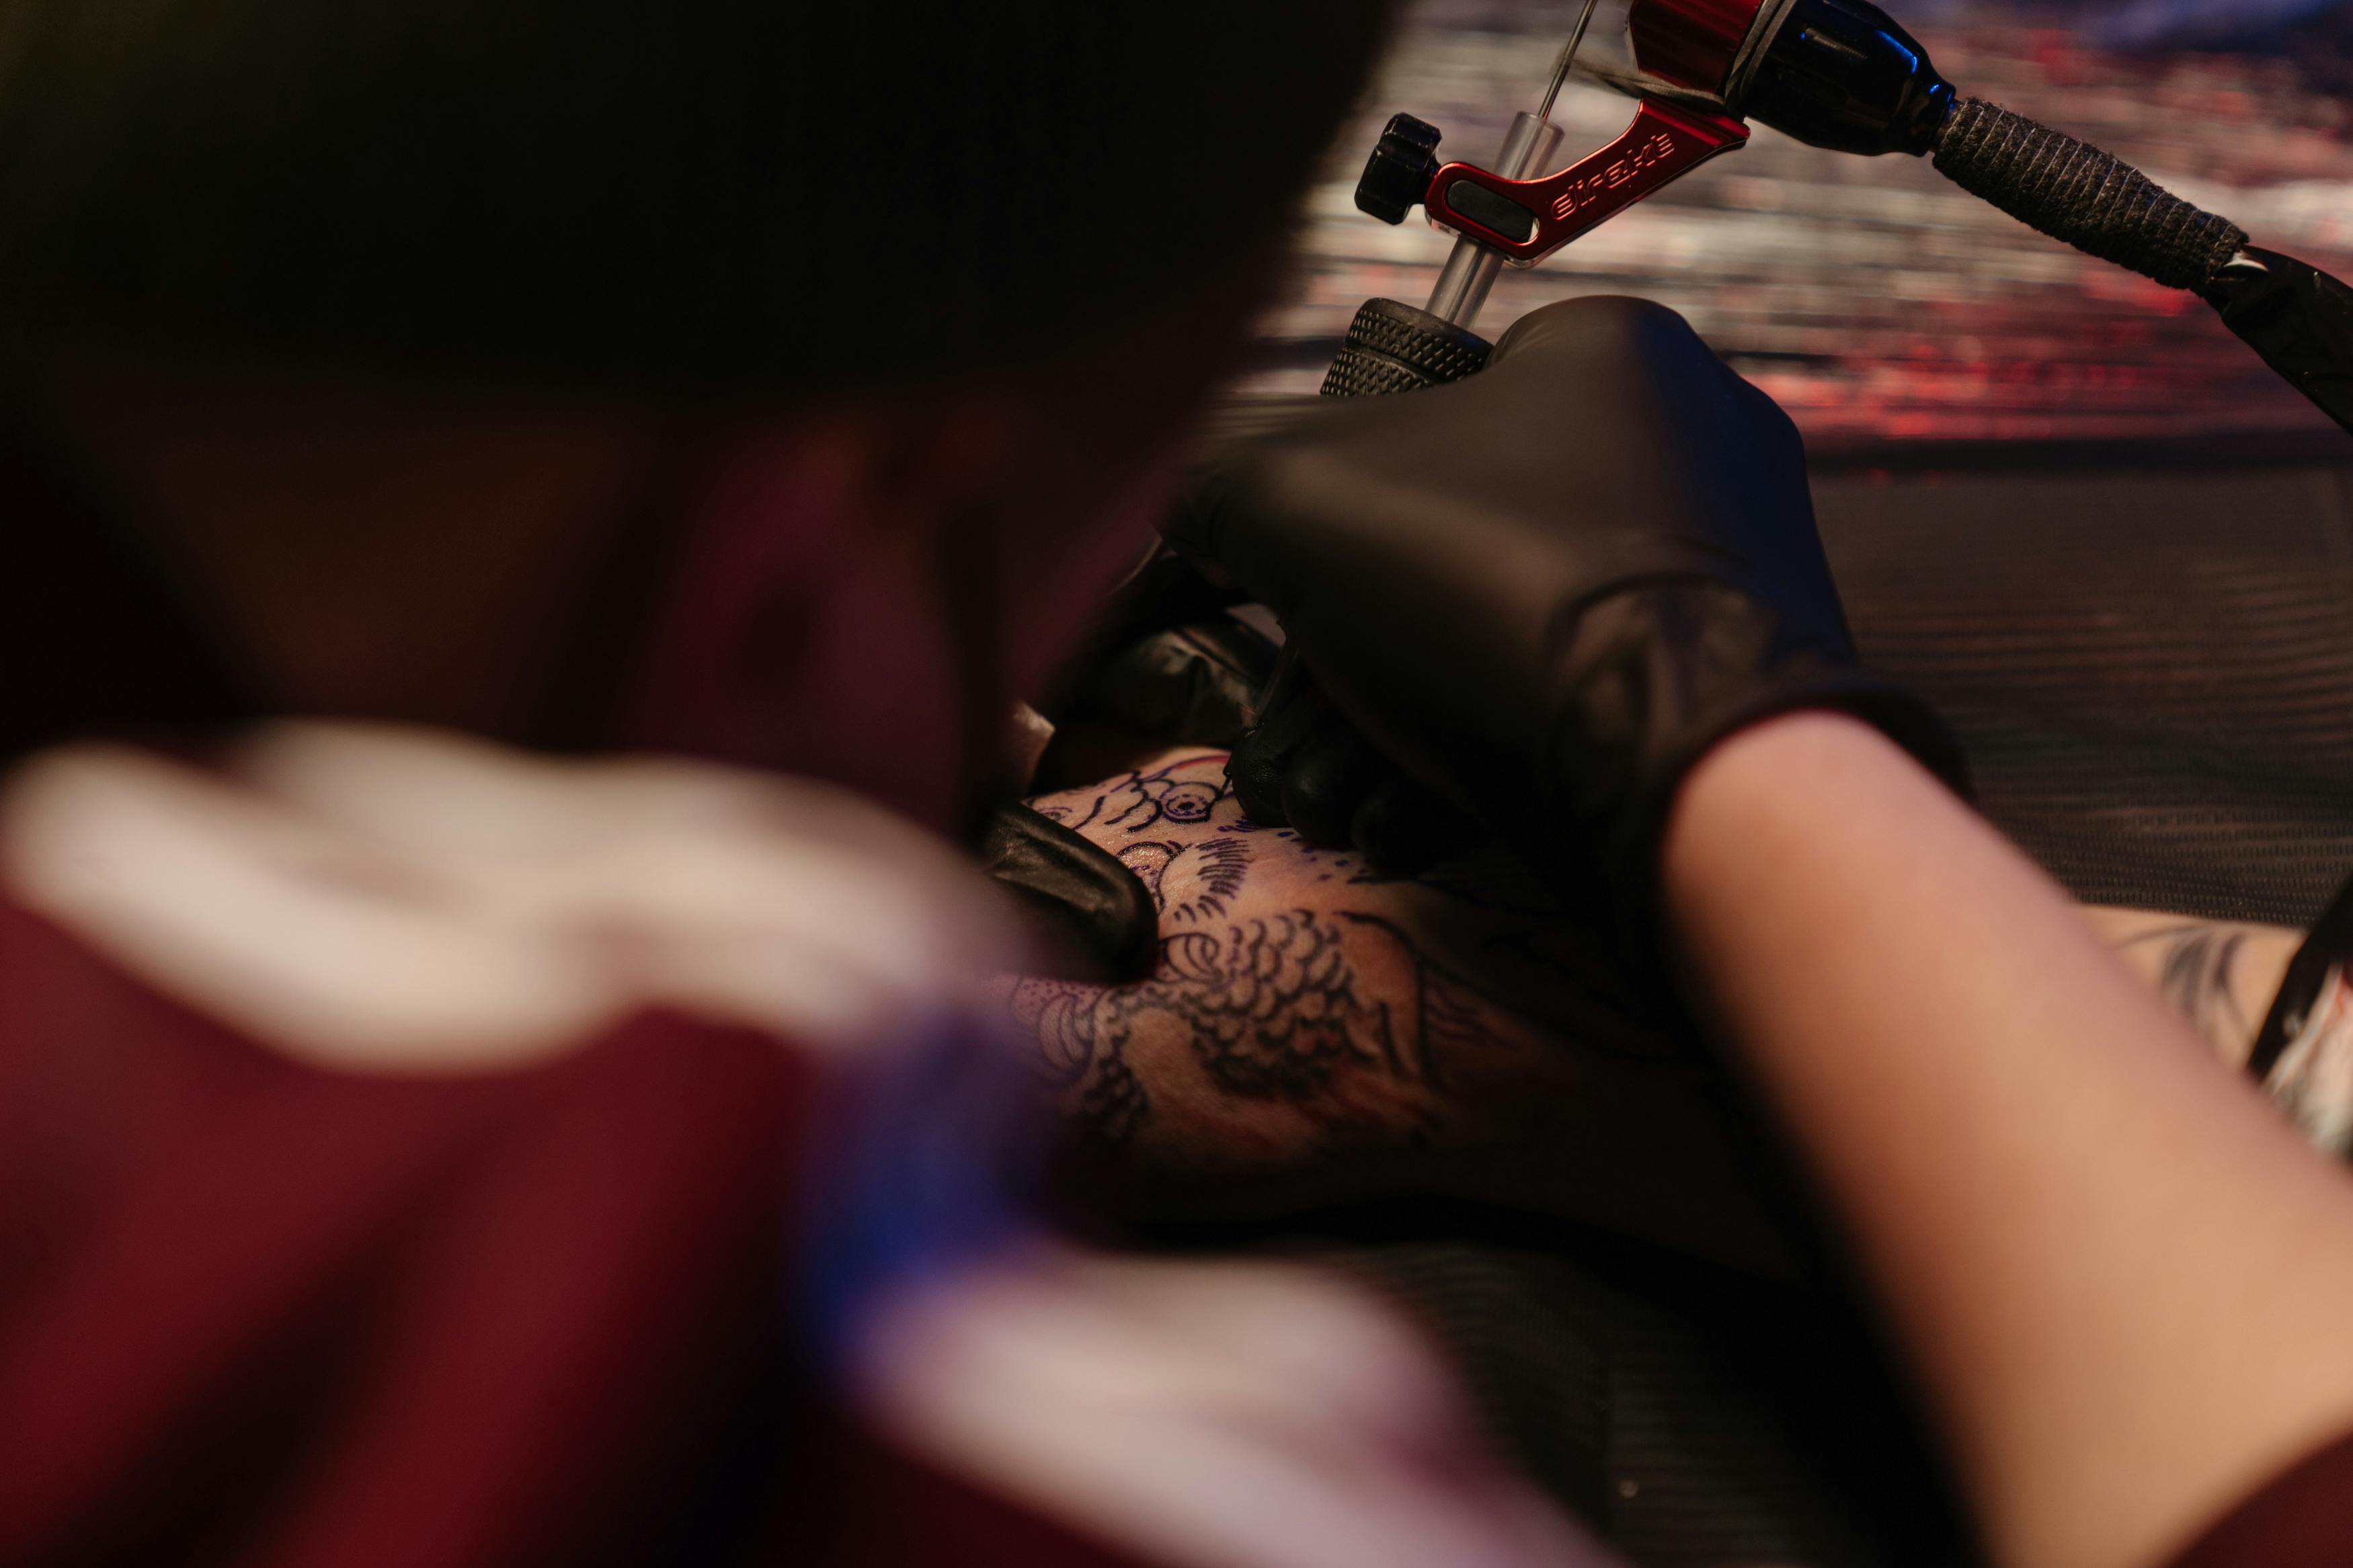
(2298, 318)
(2093, 201)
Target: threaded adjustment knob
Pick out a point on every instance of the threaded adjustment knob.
(1398, 174)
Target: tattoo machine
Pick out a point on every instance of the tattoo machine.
(1835, 74)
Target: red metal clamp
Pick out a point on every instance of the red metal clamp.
(1527, 220)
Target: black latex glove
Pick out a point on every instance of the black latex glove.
(1096, 920)
(1308, 767)
(1169, 667)
(1547, 591)
(1173, 667)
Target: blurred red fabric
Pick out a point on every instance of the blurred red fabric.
(253, 1312)
(2302, 1520)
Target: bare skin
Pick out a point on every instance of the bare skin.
(2118, 1274)
(2220, 975)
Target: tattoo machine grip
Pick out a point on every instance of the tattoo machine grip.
(1393, 347)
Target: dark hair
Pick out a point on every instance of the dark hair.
(711, 194)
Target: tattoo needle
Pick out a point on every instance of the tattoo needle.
(1471, 272)
(1567, 60)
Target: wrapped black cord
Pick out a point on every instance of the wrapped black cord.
(2090, 199)
(2299, 318)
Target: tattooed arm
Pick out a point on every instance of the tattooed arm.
(2225, 979)
(2218, 974)
(1315, 1033)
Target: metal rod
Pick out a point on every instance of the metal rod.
(1462, 288)
(1567, 60)
(1471, 271)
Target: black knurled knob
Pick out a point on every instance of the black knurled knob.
(1393, 348)
(1398, 174)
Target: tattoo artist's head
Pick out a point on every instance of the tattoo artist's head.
(775, 381)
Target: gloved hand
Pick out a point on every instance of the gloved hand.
(1095, 921)
(1547, 591)
(1307, 767)
(1169, 666)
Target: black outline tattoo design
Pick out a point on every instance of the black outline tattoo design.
(1274, 1010)
(1139, 801)
(1273, 1007)
(1214, 870)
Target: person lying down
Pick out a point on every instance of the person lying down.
(1315, 1032)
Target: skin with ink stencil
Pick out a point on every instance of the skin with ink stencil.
(1315, 1032)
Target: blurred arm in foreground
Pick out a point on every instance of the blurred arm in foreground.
(2118, 1272)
